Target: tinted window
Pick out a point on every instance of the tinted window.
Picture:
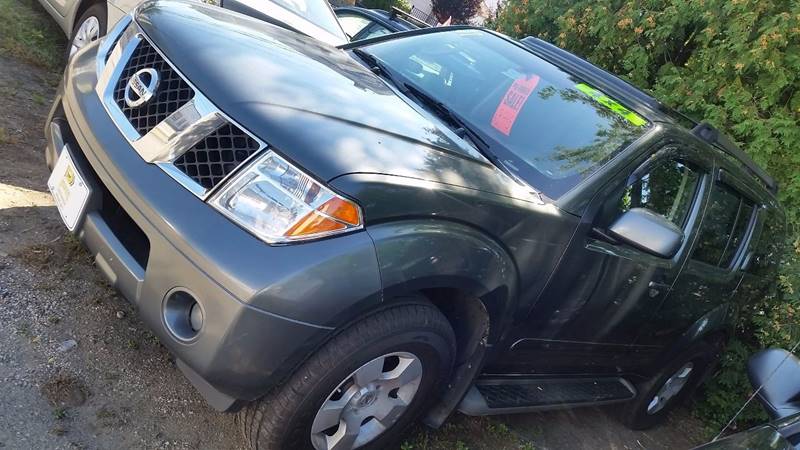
(375, 31)
(769, 248)
(550, 127)
(668, 190)
(353, 24)
(724, 227)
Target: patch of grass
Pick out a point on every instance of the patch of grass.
(60, 413)
(23, 329)
(5, 136)
(37, 98)
(29, 33)
(467, 433)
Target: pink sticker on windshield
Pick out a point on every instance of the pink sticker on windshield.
(506, 113)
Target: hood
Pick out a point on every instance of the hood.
(313, 103)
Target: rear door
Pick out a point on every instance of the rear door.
(713, 272)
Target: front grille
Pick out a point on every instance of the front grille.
(172, 93)
(217, 155)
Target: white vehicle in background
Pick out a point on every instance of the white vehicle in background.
(85, 21)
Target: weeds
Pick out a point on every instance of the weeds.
(29, 33)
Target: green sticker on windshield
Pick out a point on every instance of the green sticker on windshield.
(611, 104)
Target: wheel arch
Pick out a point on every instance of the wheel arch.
(467, 274)
(715, 327)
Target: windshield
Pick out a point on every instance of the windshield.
(318, 12)
(549, 127)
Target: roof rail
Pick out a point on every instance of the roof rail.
(406, 16)
(706, 132)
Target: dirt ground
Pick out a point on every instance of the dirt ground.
(79, 370)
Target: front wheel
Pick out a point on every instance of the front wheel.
(360, 390)
(89, 27)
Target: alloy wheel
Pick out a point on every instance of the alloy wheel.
(88, 32)
(671, 388)
(368, 402)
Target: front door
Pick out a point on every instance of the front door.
(713, 272)
(602, 293)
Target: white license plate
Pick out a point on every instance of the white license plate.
(69, 190)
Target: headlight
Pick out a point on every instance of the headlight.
(278, 203)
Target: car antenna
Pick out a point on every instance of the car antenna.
(753, 395)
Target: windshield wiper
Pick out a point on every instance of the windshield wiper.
(378, 67)
(460, 127)
(463, 130)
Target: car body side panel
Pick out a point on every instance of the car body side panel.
(62, 12)
(432, 234)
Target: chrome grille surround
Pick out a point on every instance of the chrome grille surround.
(181, 131)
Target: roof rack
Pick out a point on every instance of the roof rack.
(406, 16)
(706, 132)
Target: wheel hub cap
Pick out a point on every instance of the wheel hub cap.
(368, 402)
(671, 388)
(88, 32)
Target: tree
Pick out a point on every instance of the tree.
(460, 10)
(385, 5)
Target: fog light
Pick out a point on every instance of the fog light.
(183, 316)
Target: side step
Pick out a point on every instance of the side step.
(503, 396)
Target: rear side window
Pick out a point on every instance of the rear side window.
(769, 248)
(353, 24)
(725, 225)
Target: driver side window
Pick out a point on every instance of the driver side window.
(667, 189)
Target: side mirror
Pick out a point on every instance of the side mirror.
(647, 231)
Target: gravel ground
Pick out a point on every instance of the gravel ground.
(79, 370)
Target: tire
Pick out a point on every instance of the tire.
(283, 419)
(645, 411)
(77, 39)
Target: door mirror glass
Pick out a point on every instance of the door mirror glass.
(647, 231)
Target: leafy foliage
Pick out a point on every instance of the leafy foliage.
(734, 63)
(30, 34)
(385, 5)
(460, 10)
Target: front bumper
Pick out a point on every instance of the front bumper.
(266, 308)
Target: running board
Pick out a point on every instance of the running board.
(504, 396)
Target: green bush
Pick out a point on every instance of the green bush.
(385, 5)
(734, 63)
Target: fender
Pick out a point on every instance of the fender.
(430, 253)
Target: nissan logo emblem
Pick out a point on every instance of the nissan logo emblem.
(141, 87)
